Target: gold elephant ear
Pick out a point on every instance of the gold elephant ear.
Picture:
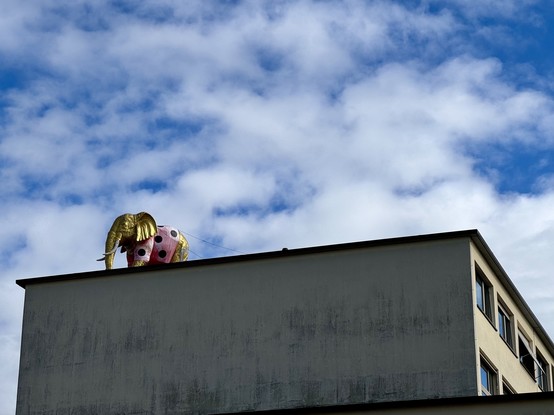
(145, 226)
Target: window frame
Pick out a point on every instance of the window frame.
(507, 389)
(526, 358)
(485, 367)
(483, 291)
(542, 369)
(505, 323)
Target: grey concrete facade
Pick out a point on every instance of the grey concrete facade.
(350, 324)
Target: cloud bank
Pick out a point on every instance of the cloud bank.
(258, 125)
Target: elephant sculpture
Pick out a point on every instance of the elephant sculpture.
(145, 242)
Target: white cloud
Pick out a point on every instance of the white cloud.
(264, 125)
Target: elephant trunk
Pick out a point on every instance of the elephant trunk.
(126, 230)
(112, 243)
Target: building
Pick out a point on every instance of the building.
(368, 323)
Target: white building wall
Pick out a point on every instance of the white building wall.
(504, 358)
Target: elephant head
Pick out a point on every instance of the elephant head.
(126, 231)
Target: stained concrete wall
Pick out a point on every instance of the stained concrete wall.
(347, 326)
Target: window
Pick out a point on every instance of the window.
(505, 326)
(525, 356)
(484, 291)
(506, 388)
(488, 379)
(542, 372)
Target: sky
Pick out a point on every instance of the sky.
(258, 125)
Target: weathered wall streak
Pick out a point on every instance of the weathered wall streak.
(352, 326)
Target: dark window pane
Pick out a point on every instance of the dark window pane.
(501, 325)
(509, 337)
(542, 379)
(507, 390)
(526, 358)
(505, 327)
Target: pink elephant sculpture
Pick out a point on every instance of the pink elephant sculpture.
(144, 242)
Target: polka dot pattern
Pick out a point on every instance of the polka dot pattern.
(158, 249)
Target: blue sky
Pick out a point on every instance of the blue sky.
(256, 125)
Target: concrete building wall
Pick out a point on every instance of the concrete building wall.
(504, 357)
(376, 324)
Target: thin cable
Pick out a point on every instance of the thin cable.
(211, 243)
(192, 252)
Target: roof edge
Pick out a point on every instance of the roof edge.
(23, 282)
